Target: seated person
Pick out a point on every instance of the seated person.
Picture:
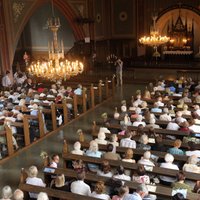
(121, 174)
(59, 184)
(185, 110)
(193, 149)
(105, 169)
(191, 165)
(139, 121)
(165, 116)
(113, 141)
(143, 143)
(152, 123)
(123, 190)
(101, 138)
(145, 159)
(77, 149)
(127, 141)
(156, 108)
(180, 183)
(93, 152)
(79, 186)
(99, 191)
(34, 180)
(175, 149)
(166, 180)
(128, 156)
(140, 193)
(6, 193)
(110, 154)
(140, 175)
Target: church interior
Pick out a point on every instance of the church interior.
(102, 92)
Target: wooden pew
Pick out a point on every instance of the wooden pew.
(52, 192)
(160, 190)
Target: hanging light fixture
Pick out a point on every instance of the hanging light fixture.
(154, 39)
(57, 68)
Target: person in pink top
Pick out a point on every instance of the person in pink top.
(122, 192)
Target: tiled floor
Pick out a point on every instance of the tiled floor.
(10, 170)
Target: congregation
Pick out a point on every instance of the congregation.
(170, 106)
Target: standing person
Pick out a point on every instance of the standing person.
(119, 68)
(7, 81)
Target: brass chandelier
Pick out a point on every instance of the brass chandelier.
(154, 39)
(56, 68)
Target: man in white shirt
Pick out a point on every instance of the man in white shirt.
(145, 160)
(79, 186)
(169, 165)
(165, 116)
(140, 193)
(127, 142)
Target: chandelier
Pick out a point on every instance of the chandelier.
(57, 67)
(154, 39)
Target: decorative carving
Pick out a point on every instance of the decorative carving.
(98, 18)
(17, 8)
(123, 16)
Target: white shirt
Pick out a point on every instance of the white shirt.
(165, 117)
(35, 181)
(101, 141)
(195, 128)
(191, 168)
(168, 166)
(122, 177)
(100, 196)
(100, 173)
(146, 162)
(80, 187)
(77, 152)
(127, 142)
(172, 126)
(191, 153)
(6, 82)
(54, 164)
(136, 123)
(160, 104)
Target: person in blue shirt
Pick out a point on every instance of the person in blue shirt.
(93, 152)
(175, 149)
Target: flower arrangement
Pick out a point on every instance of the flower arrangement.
(43, 154)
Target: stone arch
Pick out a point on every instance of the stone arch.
(192, 14)
(64, 8)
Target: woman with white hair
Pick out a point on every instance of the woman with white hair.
(165, 116)
(18, 194)
(34, 180)
(101, 138)
(77, 149)
(166, 180)
(42, 196)
(93, 152)
(144, 140)
(145, 159)
(139, 121)
(191, 165)
(185, 110)
(6, 193)
(152, 123)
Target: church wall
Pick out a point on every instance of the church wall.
(35, 37)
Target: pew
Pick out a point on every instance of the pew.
(158, 190)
